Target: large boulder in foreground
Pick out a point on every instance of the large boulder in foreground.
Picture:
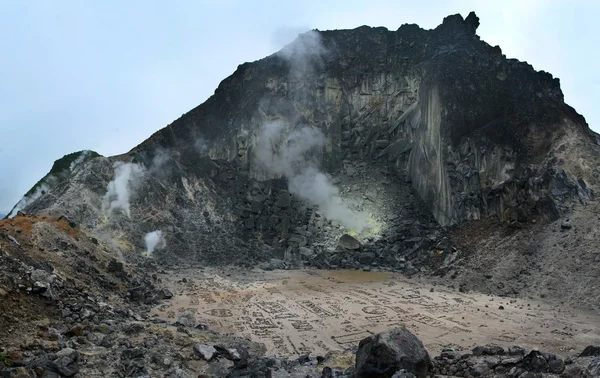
(384, 354)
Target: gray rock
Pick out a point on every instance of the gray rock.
(534, 362)
(273, 264)
(480, 369)
(450, 353)
(590, 351)
(304, 251)
(403, 374)
(283, 200)
(384, 354)
(296, 240)
(165, 293)
(205, 351)
(366, 258)
(256, 207)
(516, 351)
(488, 350)
(66, 362)
(348, 242)
(594, 367)
(574, 371)
(249, 223)
(556, 365)
(187, 319)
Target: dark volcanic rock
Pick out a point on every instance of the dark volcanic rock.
(382, 355)
(590, 351)
(348, 242)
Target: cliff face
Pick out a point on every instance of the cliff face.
(409, 121)
(476, 133)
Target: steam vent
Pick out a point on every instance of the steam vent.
(362, 203)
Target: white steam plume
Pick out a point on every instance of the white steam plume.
(303, 53)
(120, 189)
(43, 188)
(153, 241)
(201, 146)
(77, 162)
(293, 155)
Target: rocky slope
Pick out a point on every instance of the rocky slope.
(403, 133)
(421, 151)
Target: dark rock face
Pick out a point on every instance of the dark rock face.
(384, 354)
(437, 120)
(473, 129)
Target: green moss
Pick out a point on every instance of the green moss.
(5, 359)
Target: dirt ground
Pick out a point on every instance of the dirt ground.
(316, 311)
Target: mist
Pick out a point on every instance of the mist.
(153, 241)
(29, 198)
(294, 154)
(120, 189)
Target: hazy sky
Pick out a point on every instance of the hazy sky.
(104, 75)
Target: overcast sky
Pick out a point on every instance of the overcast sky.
(104, 75)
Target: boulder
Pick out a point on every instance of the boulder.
(187, 319)
(297, 240)
(348, 242)
(66, 362)
(488, 350)
(591, 351)
(205, 351)
(283, 200)
(165, 293)
(594, 367)
(386, 353)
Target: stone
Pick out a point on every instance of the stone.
(516, 351)
(590, 351)
(383, 354)
(207, 352)
(556, 365)
(366, 258)
(534, 362)
(283, 200)
(488, 350)
(249, 223)
(238, 354)
(165, 293)
(574, 371)
(566, 225)
(450, 353)
(256, 207)
(187, 319)
(480, 369)
(349, 242)
(307, 252)
(402, 373)
(297, 240)
(594, 367)
(303, 359)
(66, 362)
(273, 264)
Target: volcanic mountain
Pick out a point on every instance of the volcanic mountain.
(419, 151)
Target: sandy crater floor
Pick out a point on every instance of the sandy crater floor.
(316, 311)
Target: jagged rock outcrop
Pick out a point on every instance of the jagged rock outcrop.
(409, 117)
(478, 134)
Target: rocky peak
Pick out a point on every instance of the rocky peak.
(474, 135)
